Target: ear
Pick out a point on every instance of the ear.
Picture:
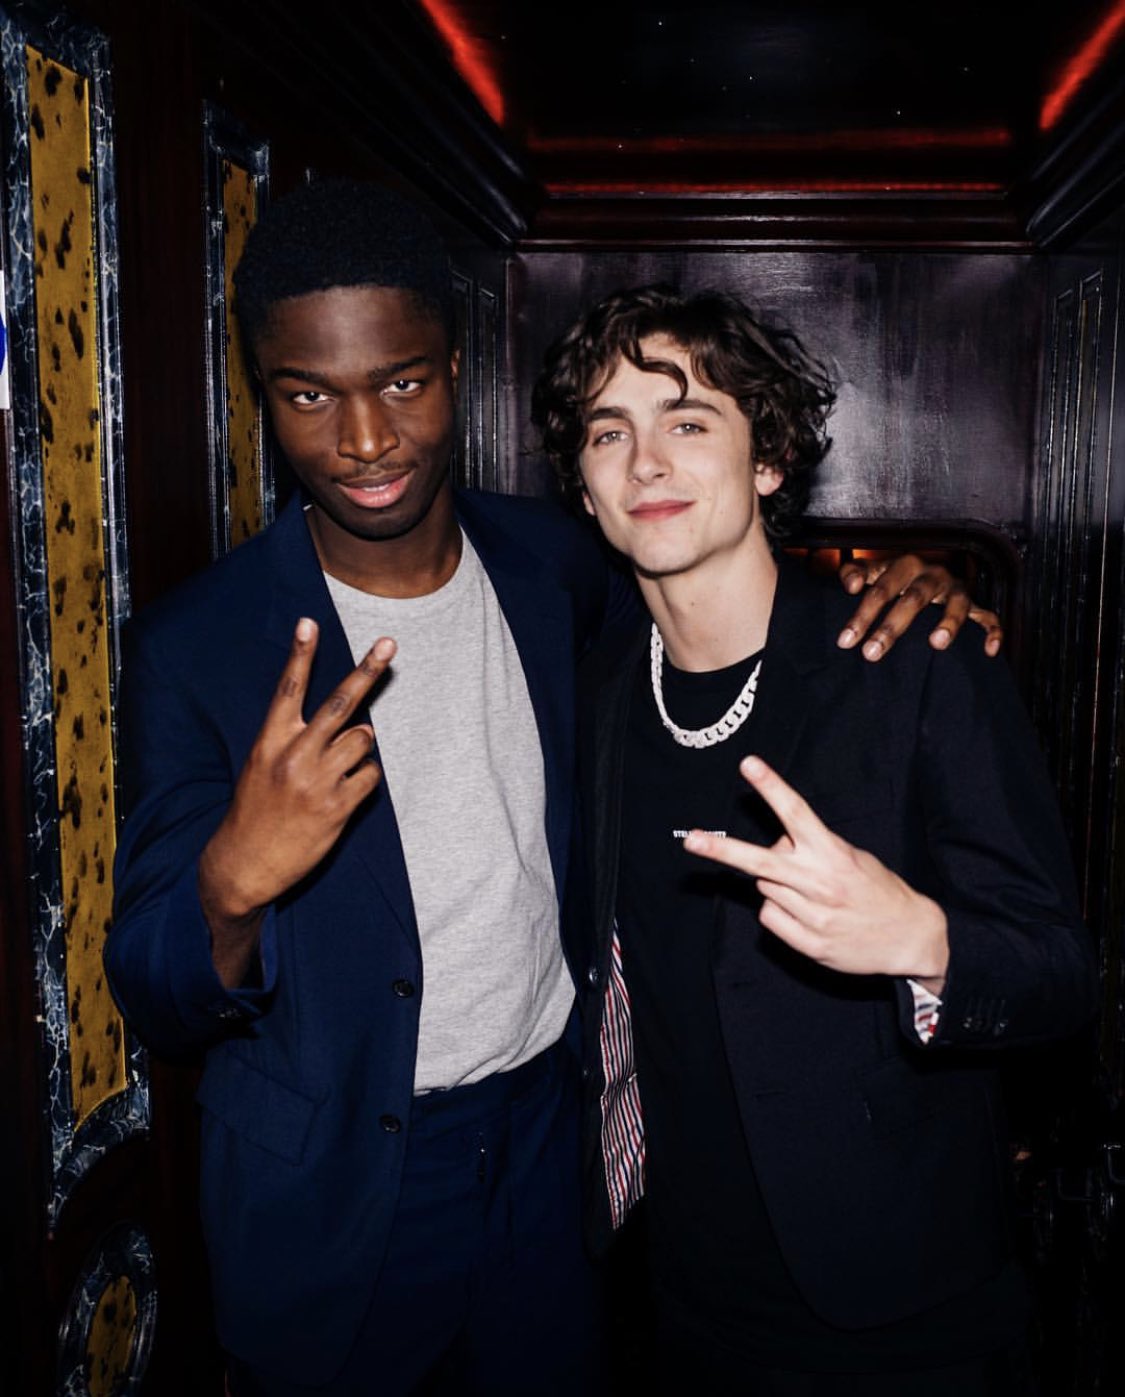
(767, 479)
(454, 366)
(587, 503)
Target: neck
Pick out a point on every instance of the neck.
(715, 616)
(412, 565)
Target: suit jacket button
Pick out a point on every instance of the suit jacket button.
(391, 1124)
(403, 988)
(593, 975)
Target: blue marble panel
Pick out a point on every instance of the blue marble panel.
(226, 141)
(110, 1320)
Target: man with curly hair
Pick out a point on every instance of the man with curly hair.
(798, 980)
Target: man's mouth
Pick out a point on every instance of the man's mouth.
(655, 510)
(379, 492)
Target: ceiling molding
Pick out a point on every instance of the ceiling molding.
(932, 221)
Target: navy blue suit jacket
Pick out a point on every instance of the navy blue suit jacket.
(882, 1163)
(307, 1086)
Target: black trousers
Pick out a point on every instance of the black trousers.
(687, 1362)
(485, 1289)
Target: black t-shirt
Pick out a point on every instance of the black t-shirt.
(713, 1252)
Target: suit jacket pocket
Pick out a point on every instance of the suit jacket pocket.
(256, 1106)
(898, 1097)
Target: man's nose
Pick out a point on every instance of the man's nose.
(366, 430)
(650, 460)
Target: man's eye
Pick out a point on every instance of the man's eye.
(307, 397)
(689, 429)
(607, 438)
(403, 385)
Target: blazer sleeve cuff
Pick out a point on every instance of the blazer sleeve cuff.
(203, 1004)
(1013, 981)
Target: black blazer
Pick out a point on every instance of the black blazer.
(309, 1075)
(882, 1162)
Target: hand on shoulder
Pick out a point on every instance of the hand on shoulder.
(897, 593)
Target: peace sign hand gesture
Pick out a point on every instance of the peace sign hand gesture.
(832, 902)
(300, 785)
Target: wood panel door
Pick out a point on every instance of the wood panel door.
(1076, 631)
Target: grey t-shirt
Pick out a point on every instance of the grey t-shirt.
(462, 761)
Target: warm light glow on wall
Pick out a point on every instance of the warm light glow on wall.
(788, 185)
(471, 56)
(1081, 65)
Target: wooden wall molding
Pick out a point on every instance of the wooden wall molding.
(941, 221)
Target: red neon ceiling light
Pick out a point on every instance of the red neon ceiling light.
(982, 138)
(471, 56)
(1081, 65)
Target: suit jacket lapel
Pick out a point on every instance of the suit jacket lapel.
(298, 589)
(610, 734)
(795, 651)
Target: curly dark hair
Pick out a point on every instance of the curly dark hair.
(784, 393)
(341, 232)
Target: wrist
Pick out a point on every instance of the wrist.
(234, 927)
(222, 899)
(931, 959)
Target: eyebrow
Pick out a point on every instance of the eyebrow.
(382, 373)
(601, 414)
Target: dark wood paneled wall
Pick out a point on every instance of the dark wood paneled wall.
(1079, 508)
(1076, 632)
(936, 355)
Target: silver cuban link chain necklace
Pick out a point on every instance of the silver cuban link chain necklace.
(729, 723)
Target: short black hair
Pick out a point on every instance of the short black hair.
(341, 232)
(784, 393)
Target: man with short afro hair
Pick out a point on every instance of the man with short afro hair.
(341, 232)
(364, 942)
